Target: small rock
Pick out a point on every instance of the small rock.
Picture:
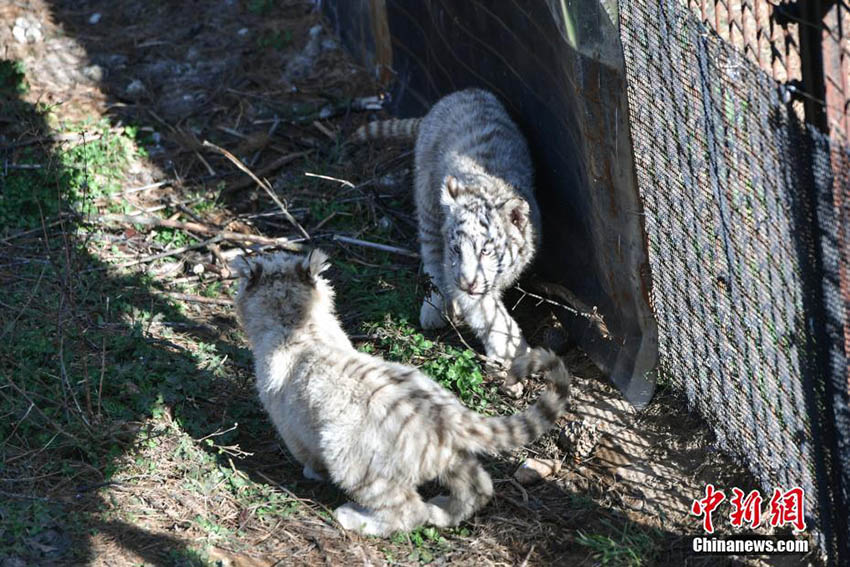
(93, 72)
(95, 18)
(135, 88)
(19, 33)
(299, 66)
(514, 390)
(166, 268)
(535, 470)
(27, 30)
(34, 35)
(385, 223)
(198, 269)
(242, 32)
(326, 112)
(392, 179)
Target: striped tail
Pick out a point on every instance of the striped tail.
(480, 434)
(406, 129)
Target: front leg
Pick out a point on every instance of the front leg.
(433, 313)
(488, 317)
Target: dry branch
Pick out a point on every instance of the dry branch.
(376, 246)
(169, 253)
(198, 298)
(274, 165)
(149, 220)
(329, 178)
(74, 138)
(573, 304)
(262, 183)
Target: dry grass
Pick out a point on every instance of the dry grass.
(129, 429)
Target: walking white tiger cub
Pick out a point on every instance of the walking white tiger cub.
(379, 429)
(479, 223)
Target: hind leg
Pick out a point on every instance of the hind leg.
(470, 489)
(401, 511)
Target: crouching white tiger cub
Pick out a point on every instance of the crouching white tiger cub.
(379, 429)
(479, 224)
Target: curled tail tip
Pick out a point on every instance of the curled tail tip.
(542, 360)
(533, 361)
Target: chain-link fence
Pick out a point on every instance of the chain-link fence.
(746, 220)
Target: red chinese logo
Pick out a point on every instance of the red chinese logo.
(746, 509)
(705, 506)
(787, 508)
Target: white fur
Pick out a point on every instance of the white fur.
(378, 429)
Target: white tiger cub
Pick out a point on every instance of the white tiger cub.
(479, 223)
(379, 429)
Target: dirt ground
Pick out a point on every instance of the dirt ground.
(193, 474)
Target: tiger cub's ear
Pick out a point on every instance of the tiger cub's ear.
(314, 264)
(247, 269)
(450, 190)
(517, 211)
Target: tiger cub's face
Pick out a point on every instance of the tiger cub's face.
(483, 241)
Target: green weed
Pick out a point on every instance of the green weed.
(374, 292)
(275, 39)
(173, 238)
(455, 369)
(12, 78)
(72, 178)
(260, 6)
(426, 542)
(630, 547)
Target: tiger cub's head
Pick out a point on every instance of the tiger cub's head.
(485, 243)
(281, 290)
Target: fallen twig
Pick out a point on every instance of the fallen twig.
(198, 298)
(262, 183)
(169, 253)
(23, 166)
(329, 178)
(576, 306)
(324, 130)
(149, 220)
(330, 519)
(266, 170)
(73, 137)
(376, 246)
(33, 230)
